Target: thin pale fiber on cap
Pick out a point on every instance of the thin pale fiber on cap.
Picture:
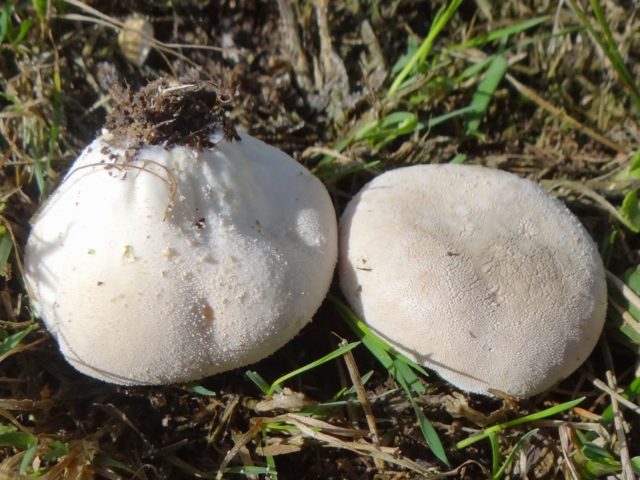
(476, 273)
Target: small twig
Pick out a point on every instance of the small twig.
(364, 401)
(352, 413)
(612, 393)
(240, 442)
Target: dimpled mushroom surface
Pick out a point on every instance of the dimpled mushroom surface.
(475, 273)
(168, 256)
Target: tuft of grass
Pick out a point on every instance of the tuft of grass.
(276, 384)
(401, 368)
(604, 38)
(417, 60)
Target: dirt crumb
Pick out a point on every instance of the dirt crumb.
(169, 113)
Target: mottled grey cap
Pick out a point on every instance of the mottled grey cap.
(475, 273)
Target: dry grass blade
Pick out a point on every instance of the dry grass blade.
(364, 401)
(619, 398)
(383, 454)
(564, 116)
(565, 432)
(327, 434)
(618, 421)
(25, 404)
(240, 443)
(310, 151)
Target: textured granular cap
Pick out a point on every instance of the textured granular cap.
(475, 273)
(160, 264)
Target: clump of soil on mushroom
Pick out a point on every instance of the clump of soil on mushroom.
(185, 113)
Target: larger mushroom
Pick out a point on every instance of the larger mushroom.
(475, 273)
(168, 255)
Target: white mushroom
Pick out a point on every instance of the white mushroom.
(170, 264)
(476, 273)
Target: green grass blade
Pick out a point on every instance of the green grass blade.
(380, 132)
(12, 341)
(608, 45)
(251, 470)
(428, 432)
(271, 461)
(384, 352)
(200, 390)
(27, 458)
(437, 120)
(499, 34)
(614, 55)
(17, 440)
(475, 68)
(260, 382)
(57, 449)
(105, 461)
(495, 452)
(40, 6)
(630, 211)
(630, 393)
(345, 392)
(6, 245)
(440, 21)
(628, 325)
(483, 94)
(375, 345)
(516, 448)
(23, 29)
(38, 172)
(5, 18)
(518, 421)
(402, 370)
(333, 172)
(336, 353)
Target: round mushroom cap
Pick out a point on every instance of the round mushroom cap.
(475, 273)
(170, 264)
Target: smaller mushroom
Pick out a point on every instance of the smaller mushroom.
(476, 273)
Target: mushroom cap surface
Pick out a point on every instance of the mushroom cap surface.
(172, 264)
(475, 273)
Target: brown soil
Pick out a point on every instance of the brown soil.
(169, 113)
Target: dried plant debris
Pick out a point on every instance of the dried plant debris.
(186, 113)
